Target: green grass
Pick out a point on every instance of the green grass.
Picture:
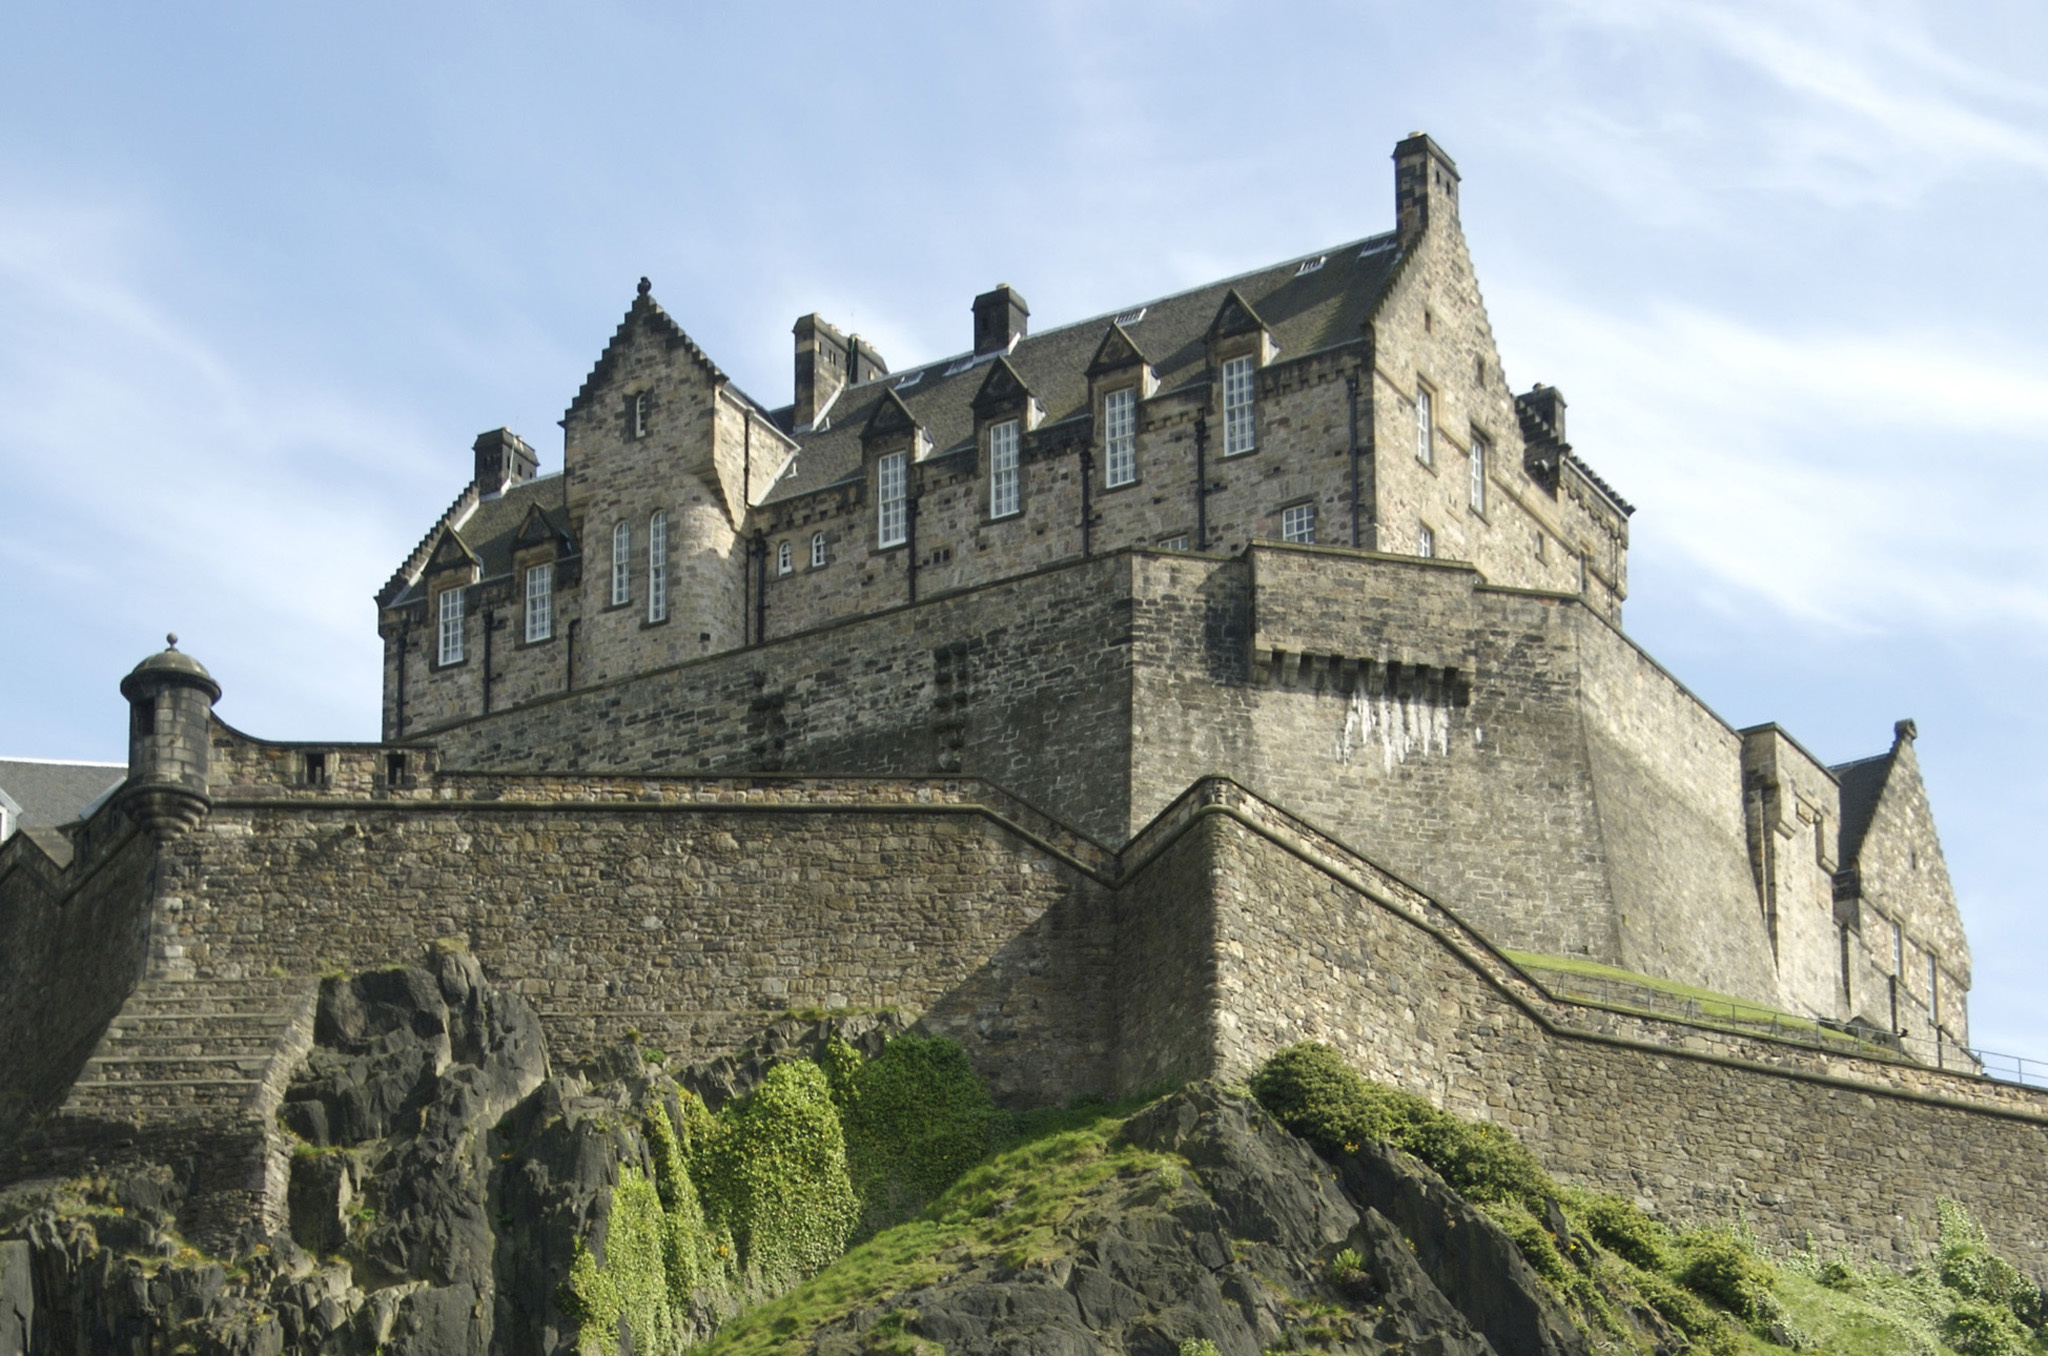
(1712, 1004)
(1007, 1209)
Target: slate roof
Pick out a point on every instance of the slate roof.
(1863, 783)
(1306, 312)
(53, 793)
(491, 530)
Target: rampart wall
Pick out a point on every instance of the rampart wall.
(1851, 1149)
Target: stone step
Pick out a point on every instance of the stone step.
(184, 1046)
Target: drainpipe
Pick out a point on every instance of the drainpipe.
(490, 625)
(569, 656)
(1351, 392)
(1201, 482)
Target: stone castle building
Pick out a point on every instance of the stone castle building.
(1127, 699)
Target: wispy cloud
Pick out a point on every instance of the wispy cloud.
(1854, 480)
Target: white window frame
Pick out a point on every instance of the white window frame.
(640, 415)
(1425, 541)
(1298, 524)
(1005, 493)
(1120, 438)
(892, 499)
(540, 602)
(450, 610)
(1425, 426)
(1179, 543)
(817, 550)
(785, 558)
(1477, 491)
(1240, 427)
(622, 564)
(657, 568)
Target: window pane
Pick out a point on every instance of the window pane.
(1237, 406)
(1425, 543)
(1120, 437)
(1478, 474)
(1002, 469)
(818, 551)
(1298, 524)
(892, 519)
(622, 565)
(783, 563)
(1425, 447)
(540, 602)
(657, 568)
(451, 627)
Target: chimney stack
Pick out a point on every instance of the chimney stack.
(999, 318)
(1425, 185)
(503, 460)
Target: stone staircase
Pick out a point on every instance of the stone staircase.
(196, 1049)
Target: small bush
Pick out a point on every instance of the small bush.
(1967, 1265)
(1980, 1328)
(1623, 1229)
(1535, 1242)
(1721, 1267)
(1311, 1090)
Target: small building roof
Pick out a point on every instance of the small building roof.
(49, 791)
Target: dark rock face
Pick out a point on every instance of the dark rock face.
(1240, 1256)
(446, 1181)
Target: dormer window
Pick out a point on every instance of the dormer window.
(892, 499)
(450, 626)
(1425, 425)
(1238, 434)
(818, 551)
(657, 568)
(640, 415)
(540, 602)
(622, 565)
(1004, 495)
(1120, 438)
(785, 559)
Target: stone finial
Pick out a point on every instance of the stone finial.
(1904, 731)
(645, 287)
(171, 640)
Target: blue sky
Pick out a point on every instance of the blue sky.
(266, 270)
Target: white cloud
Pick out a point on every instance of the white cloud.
(1850, 479)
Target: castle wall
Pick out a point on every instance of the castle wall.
(1902, 877)
(1792, 805)
(1850, 1152)
(72, 945)
(1026, 683)
(694, 913)
(1166, 963)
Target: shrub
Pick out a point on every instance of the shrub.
(1980, 1328)
(915, 1118)
(773, 1173)
(1311, 1090)
(1967, 1265)
(1619, 1226)
(1722, 1267)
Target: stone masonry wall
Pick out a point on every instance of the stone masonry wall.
(72, 945)
(1025, 683)
(1853, 1151)
(693, 913)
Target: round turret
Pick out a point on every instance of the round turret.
(170, 733)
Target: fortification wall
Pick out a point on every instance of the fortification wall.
(1025, 683)
(1696, 1123)
(693, 912)
(72, 945)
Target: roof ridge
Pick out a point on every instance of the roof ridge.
(416, 559)
(1111, 314)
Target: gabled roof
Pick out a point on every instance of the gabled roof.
(1863, 783)
(1235, 316)
(50, 792)
(496, 530)
(1000, 387)
(1116, 351)
(1304, 313)
(647, 312)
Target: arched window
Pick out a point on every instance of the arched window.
(622, 565)
(818, 551)
(657, 568)
(784, 559)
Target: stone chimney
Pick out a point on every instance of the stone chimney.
(1547, 403)
(503, 460)
(1425, 185)
(999, 317)
(821, 368)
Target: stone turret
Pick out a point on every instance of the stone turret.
(170, 704)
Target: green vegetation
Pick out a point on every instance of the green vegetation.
(1007, 1209)
(915, 1117)
(1713, 1285)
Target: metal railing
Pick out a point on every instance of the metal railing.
(1940, 1051)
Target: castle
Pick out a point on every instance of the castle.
(1127, 700)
